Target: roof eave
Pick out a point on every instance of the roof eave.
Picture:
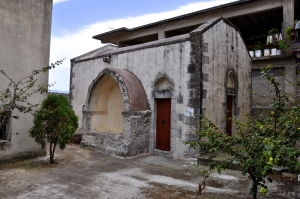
(113, 33)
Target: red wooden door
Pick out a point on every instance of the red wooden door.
(163, 124)
(229, 115)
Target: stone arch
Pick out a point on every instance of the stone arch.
(231, 79)
(163, 84)
(112, 93)
(163, 87)
(231, 82)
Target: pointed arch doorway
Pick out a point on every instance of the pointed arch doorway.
(163, 124)
(163, 97)
(231, 95)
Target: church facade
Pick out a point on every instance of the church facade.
(148, 97)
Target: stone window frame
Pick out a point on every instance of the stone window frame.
(168, 93)
(231, 91)
(7, 131)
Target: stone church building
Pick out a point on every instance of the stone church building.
(145, 90)
(148, 97)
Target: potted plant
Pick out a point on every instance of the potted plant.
(257, 49)
(282, 45)
(290, 33)
(274, 46)
(273, 35)
(267, 50)
(251, 52)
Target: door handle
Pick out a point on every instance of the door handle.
(163, 122)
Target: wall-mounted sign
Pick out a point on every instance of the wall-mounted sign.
(189, 112)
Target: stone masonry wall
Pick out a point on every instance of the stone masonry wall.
(133, 141)
(223, 50)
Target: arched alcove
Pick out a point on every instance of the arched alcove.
(107, 105)
(163, 87)
(163, 84)
(116, 103)
(231, 80)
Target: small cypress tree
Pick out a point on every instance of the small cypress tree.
(55, 123)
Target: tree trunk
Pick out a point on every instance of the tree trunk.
(52, 150)
(254, 183)
(51, 159)
(51, 154)
(254, 190)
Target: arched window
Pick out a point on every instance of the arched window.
(231, 80)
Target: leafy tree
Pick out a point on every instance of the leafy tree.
(18, 93)
(55, 123)
(260, 142)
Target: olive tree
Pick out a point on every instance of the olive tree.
(260, 142)
(55, 122)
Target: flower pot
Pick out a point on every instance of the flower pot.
(258, 53)
(279, 52)
(251, 53)
(273, 51)
(266, 52)
(270, 39)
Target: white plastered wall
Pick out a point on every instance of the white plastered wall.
(25, 28)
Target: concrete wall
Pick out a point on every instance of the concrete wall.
(240, 9)
(261, 86)
(223, 51)
(25, 29)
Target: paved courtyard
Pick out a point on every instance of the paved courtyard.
(81, 173)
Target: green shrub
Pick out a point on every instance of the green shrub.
(54, 123)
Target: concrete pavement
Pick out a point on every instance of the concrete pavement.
(81, 173)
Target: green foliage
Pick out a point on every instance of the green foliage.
(54, 123)
(273, 44)
(263, 190)
(273, 31)
(258, 46)
(260, 142)
(283, 45)
(288, 32)
(17, 95)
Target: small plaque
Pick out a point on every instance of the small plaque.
(189, 112)
(299, 177)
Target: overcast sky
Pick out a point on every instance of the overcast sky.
(74, 22)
